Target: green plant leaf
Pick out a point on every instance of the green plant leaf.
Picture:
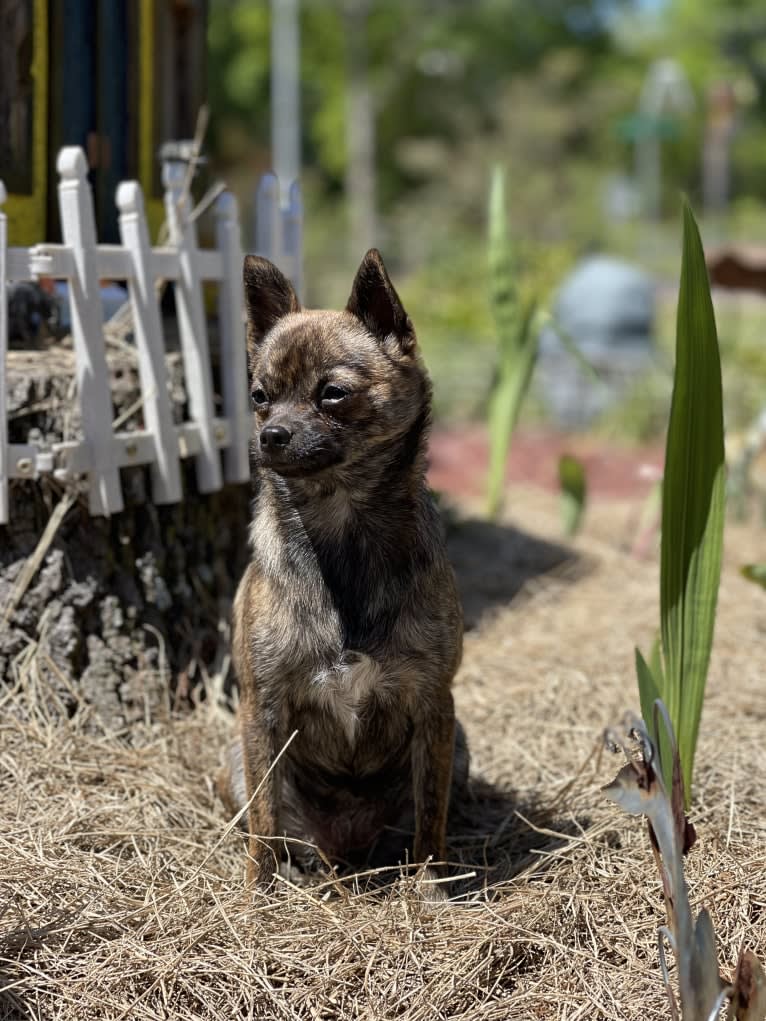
(655, 663)
(648, 693)
(755, 572)
(574, 491)
(693, 502)
(503, 290)
(517, 338)
(649, 687)
(514, 374)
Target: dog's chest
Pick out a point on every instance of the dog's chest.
(344, 690)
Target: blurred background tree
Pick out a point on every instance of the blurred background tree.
(406, 105)
(448, 81)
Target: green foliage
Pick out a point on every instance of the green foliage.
(641, 414)
(574, 492)
(513, 312)
(455, 330)
(238, 78)
(650, 686)
(693, 498)
(458, 86)
(437, 74)
(693, 501)
(755, 573)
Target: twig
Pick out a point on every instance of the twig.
(130, 411)
(32, 564)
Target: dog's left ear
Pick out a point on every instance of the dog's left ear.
(375, 302)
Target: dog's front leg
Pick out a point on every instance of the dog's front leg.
(432, 751)
(261, 787)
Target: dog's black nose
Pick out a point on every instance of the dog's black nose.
(275, 436)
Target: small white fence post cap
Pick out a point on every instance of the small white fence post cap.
(225, 207)
(173, 174)
(3, 193)
(175, 157)
(71, 162)
(129, 197)
(269, 184)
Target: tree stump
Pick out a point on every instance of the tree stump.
(124, 612)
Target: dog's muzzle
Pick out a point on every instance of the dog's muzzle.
(293, 451)
(274, 438)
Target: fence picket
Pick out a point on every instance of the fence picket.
(279, 228)
(232, 338)
(4, 469)
(292, 236)
(268, 219)
(79, 232)
(147, 326)
(82, 261)
(192, 327)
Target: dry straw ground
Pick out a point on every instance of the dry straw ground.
(122, 888)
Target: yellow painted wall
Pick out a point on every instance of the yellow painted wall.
(147, 143)
(26, 213)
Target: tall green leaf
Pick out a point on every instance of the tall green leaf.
(514, 317)
(693, 502)
(505, 401)
(503, 289)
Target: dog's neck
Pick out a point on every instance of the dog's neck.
(361, 544)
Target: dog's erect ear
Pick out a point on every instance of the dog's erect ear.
(375, 302)
(269, 295)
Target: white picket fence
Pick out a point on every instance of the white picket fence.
(82, 262)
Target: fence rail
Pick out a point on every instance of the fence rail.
(83, 263)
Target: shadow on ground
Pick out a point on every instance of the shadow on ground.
(499, 835)
(12, 1007)
(492, 832)
(493, 562)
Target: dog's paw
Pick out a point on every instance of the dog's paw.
(431, 888)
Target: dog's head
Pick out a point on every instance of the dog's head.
(332, 390)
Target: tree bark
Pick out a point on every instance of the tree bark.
(124, 612)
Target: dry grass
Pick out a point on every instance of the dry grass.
(122, 889)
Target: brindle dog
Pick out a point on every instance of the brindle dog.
(347, 624)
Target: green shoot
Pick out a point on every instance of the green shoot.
(755, 573)
(574, 491)
(693, 499)
(514, 315)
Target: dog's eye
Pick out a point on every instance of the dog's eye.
(259, 398)
(331, 394)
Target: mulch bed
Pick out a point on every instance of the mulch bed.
(122, 884)
(459, 458)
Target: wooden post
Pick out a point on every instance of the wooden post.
(231, 322)
(147, 325)
(192, 327)
(4, 468)
(79, 232)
